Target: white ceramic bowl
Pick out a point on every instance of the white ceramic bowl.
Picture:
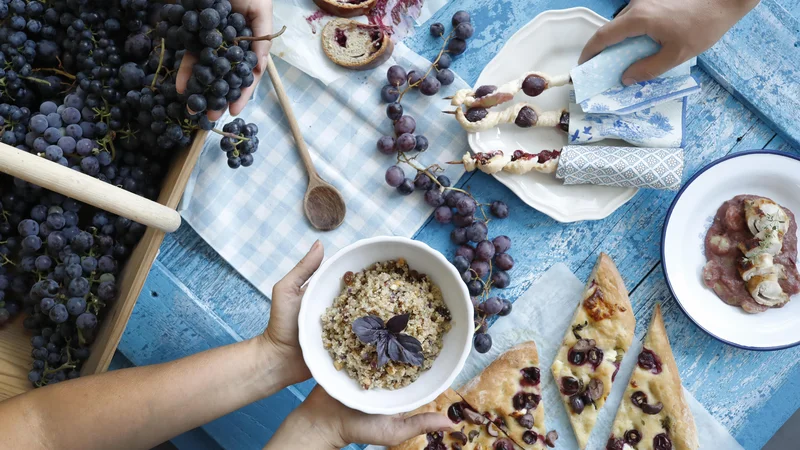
(326, 284)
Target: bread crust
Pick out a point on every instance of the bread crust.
(376, 59)
(683, 431)
(345, 9)
(605, 315)
(490, 393)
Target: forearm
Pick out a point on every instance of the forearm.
(301, 431)
(144, 406)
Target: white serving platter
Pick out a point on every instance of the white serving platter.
(550, 43)
(775, 175)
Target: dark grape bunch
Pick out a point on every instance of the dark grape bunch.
(485, 264)
(239, 143)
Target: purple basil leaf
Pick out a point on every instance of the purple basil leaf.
(397, 323)
(412, 349)
(367, 328)
(395, 350)
(383, 356)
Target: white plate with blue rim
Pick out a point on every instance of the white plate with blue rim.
(551, 43)
(771, 174)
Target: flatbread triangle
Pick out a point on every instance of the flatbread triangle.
(600, 334)
(662, 421)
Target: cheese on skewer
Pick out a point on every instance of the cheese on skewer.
(532, 83)
(523, 115)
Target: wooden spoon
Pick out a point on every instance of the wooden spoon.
(323, 204)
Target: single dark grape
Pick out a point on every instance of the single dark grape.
(481, 268)
(466, 206)
(456, 46)
(492, 306)
(414, 78)
(394, 111)
(464, 30)
(389, 94)
(501, 244)
(406, 187)
(58, 313)
(437, 29)
(405, 142)
(475, 286)
(443, 214)
(394, 176)
(396, 76)
(461, 263)
(484, 250)
(477, 232)
(501, 279)
(459, 236)
(386, 145)
(460, 17)
(405, 124)
(445, 77)
(430, 86)
(422, 143)
(444, 62)
(482, 342)
(443, 180)
(466, 251)
(434, 198)
(499, 209)
(422, 182)
(463, 221)
(507, 306)
(504, 261)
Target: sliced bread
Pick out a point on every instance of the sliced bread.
(346, 8)
(355, 45)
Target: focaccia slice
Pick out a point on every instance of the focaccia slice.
(594, 345)
(654, 414)
(471, 430)
(509, 392)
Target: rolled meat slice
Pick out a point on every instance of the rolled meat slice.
(759, 265)
(766, 290)
(766, 218)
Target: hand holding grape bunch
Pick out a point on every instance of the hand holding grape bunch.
(258, 14)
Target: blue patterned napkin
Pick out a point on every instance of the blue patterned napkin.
(656, 168)
(253, 217)
(657, 126)
(598, 82)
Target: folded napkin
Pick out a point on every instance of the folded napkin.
(253, 216)
(542, 314)
(657, 126)
(598, 82)
(656, 168)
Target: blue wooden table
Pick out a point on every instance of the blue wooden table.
(193, 300)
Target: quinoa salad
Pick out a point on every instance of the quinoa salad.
(385, 289)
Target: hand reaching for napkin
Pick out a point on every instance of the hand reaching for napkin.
(684, 28)
(258, 14)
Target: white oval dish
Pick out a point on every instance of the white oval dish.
(550, 43)
(326, 284)
(775, 175)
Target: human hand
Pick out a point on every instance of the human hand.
(281, 332)
(684, 28)
(321, 422)
(258, 14)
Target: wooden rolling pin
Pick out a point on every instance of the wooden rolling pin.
(86, 189)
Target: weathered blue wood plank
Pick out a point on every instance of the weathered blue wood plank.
(758, 60)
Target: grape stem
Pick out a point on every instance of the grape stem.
(56, 71)
(268, 37)
(433, 64)
(160, 63)
(230, 135)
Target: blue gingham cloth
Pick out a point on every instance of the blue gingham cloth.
(253, 217)
(598, 82)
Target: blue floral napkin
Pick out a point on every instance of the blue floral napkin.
(655, 168)
(656, 126)
(598, 82)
